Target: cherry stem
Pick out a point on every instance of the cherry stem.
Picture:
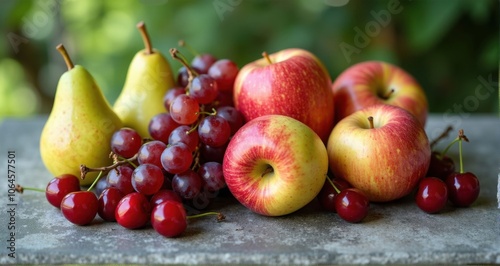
(388, 94)
(179, 57)
(333, 185)
(442, 136)
(266, 56)
(21, 189)
(95, 181)
(220, 216)
(145, 37)
(84, 169)
(65, 56)
(461, 138)
(370, 119)
(182, 43)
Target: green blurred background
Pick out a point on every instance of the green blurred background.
(450, 46)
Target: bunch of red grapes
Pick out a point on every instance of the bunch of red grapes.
(153, 181)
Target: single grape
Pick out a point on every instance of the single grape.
(203, 62)
(184, 109)
(203, 89)
(182, 77)
(431, 195)
(185, 135)
(147, 179)
(177, 158)
(125, 142)
(101, 185)
(80, 207)
(352, 205)
(59, 187)
(133, 211)
(107, 202)
(232, 116)
(121, 178)
(214, 131)
(161, 125)
(212, 154)
(171, 94)
(187, 184)
(150, 152)
(224, 71)
(169, 218)
(212, 176)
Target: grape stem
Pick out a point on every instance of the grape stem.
(182, 43)
(179, 57)
(85, 169)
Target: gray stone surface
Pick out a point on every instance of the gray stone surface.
(396, 232)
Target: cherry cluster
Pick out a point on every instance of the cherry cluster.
(337, 195)
(155, 180)
(444, 184)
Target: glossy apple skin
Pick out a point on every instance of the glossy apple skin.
(296, 84)
(364, 84)
(296, 154)
(385, 162)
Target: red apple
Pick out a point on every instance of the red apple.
(386, 158)
(275, 165)
(375, 82)
(291, 82)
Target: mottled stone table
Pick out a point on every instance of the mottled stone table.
(397, 232)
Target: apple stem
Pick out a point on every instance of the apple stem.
(333, 185)
(388, 94)
(220, 216)
(84, 169)
(182, 43)
(268, 170)
(65, 56)
(266, 56)
(370, 119)
(20, 189)
(145, 37)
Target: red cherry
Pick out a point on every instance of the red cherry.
(108, 200)
(169, 218)
(164, 195)
(440, 166)
(59, 187)
(328, 193)
(463, 188)
(351, 205)
(79, 207)
(133, 211)
(432, 195)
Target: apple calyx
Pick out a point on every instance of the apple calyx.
(370, 119)
(266, 56)
(65, 56)
(141, 26)
(269, 169)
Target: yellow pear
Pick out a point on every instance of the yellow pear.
(149, 77)
(80, 125)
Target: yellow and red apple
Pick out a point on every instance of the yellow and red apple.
(375, 82)
(275, 165)
(291, 82)
(384, 158)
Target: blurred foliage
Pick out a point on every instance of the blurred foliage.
(448, 45)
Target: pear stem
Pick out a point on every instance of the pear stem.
(65, 56)
(370, 119)
(84, 169)
(145, 37)
(266, 56)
